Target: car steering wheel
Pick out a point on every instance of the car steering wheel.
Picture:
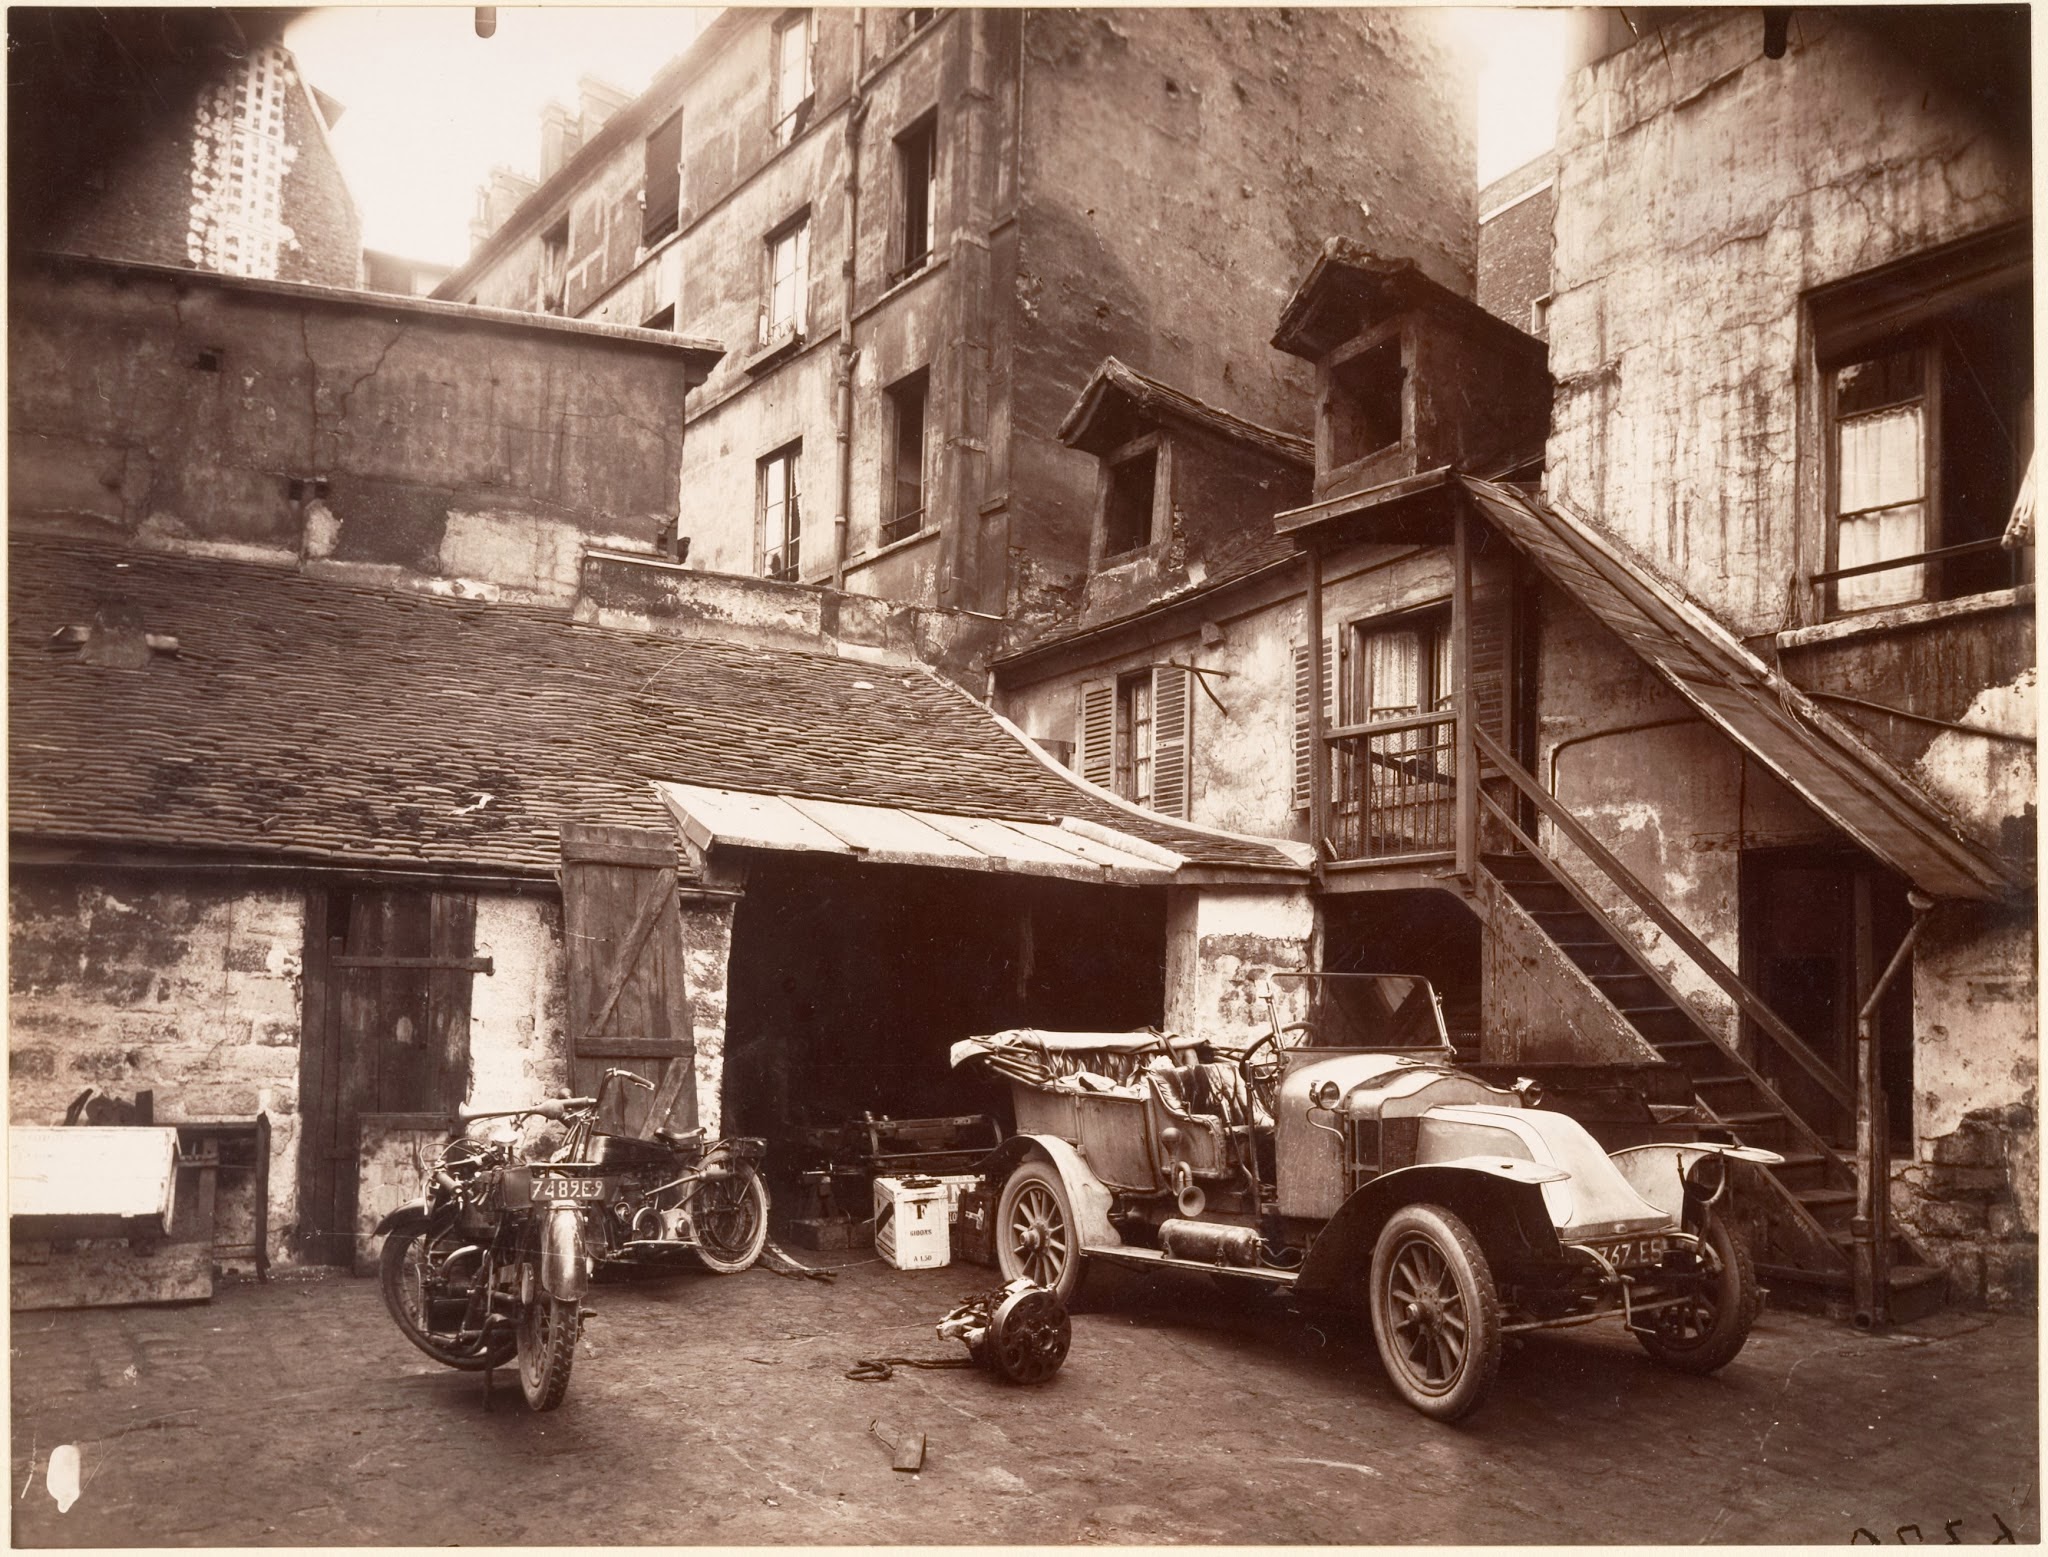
(1262, 1075)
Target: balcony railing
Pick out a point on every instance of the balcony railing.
(1393, 787)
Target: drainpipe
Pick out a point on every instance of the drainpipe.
(1869, 1230)
(842, 379)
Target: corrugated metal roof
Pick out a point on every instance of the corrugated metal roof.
(1855, 787)
(910, 835)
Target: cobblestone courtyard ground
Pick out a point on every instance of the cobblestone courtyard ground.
(709, 1410)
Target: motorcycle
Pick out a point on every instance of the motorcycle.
(678, 1192)
(493, 1261)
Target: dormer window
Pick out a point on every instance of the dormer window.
(1363, 406)
(1136, 499)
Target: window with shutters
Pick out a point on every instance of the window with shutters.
(663, 187)
(1926, 389)
(1136, 737)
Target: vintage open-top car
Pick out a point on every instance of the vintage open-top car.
(1346, 1158)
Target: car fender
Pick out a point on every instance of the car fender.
(1489, 1193)
(1658, 1171)
(1086, 1193)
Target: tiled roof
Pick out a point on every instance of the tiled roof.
(300, 718)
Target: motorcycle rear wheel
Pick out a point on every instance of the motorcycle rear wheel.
(413, 1275)
(547, 1349)
(731, 1217)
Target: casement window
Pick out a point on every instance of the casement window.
(904, 488)
(1401, 669)
(554, 267)
(789, 264)
(781, 513)
(1926, 394)
(663, 188)
(792, 75)
(917, 167)
(1136, 505)
(1136, 737)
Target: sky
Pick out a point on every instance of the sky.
(431, 107)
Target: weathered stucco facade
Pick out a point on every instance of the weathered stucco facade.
(1045, 256)
(1713, 204)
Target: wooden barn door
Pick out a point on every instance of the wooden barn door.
(385, 1030)
(629, 1004)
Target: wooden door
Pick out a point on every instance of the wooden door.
(384, 1030)
(629, 1002)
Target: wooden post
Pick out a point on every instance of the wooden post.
(1467, 761)
(1318, 758)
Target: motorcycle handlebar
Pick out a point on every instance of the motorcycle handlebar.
(553, 1108)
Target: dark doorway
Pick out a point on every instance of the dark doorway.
(848, 984)
(1430, 934)
(384, 1030)
(1818, 927)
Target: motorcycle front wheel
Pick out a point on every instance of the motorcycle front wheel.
(426, 1278)
(547, 1349)
(731, 1217)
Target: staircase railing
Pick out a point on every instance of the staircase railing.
(1746, 1000)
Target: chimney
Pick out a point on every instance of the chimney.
(559, 140)
(597, 101)
(497, 200)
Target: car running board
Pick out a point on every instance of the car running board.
(1152, 1259)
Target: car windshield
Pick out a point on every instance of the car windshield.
(1358, 1011)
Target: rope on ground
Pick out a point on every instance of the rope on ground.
(782, 1263)
(879, 1370)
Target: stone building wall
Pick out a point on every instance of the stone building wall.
(189, 989)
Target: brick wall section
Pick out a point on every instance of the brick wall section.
(142, 207)
(187, 989)
(1514, 246)
(328, 250)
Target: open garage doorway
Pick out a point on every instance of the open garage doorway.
(1423, 932)
(849, 983)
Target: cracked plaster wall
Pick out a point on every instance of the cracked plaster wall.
(179, 412)
(190, 990)
(1221, 944)
(1701, 189)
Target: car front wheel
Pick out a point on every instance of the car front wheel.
(1035, 1233)
(1703, 1332)
(1435, 1313)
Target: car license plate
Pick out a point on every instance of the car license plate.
(559, 1186)
(1635, 1251)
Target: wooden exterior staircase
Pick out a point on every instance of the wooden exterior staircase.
(1812, 1195)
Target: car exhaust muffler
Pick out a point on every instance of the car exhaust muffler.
(1212, 1243)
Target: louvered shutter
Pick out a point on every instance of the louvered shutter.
(1097, 729)
(1303, 754)
(1493, 625)
(1172, 739)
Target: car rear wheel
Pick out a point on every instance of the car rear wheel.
(1435, 1313)
(1035, 1232)
(1704, 1332)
